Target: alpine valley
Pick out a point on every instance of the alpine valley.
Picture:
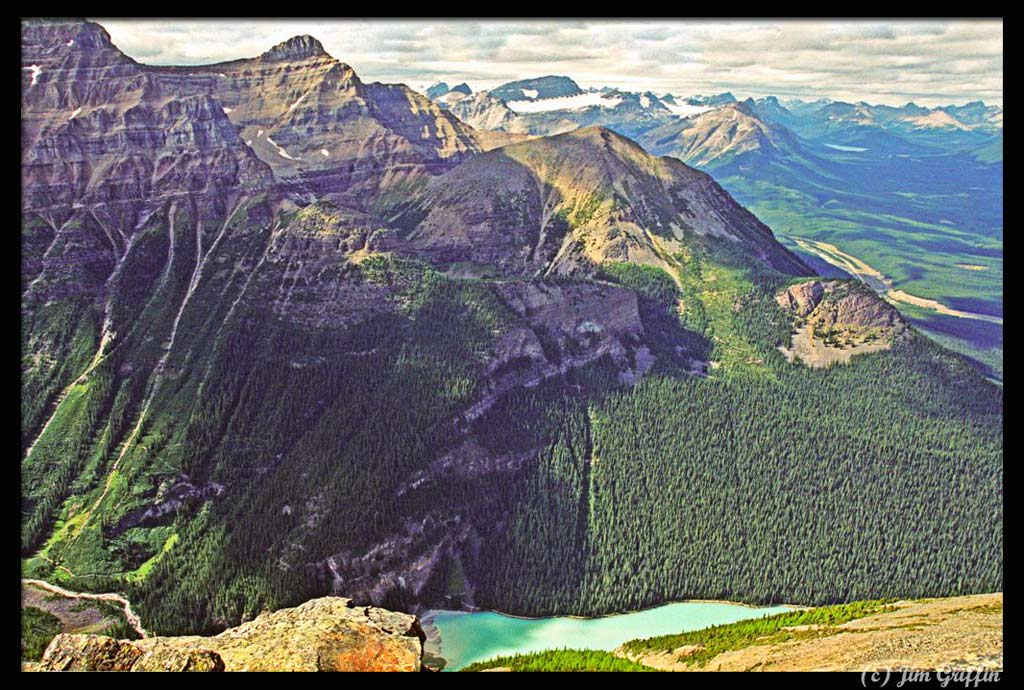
(908, 198)
(288, 334)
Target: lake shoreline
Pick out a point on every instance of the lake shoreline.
(434, 643)
(432, 612)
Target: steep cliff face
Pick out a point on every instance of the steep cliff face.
(128, 185)
(107, 142)
(135, 176)
(801, 299)
(104, 145)
(99, 129)
(326, 634)
(321, 128)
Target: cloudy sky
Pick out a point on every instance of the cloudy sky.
(930, 63)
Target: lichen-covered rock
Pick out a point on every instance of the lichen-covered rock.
(89, 653)
(326, 634)
(170, 659)
(100, 653)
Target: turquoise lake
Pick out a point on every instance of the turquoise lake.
(462, 638)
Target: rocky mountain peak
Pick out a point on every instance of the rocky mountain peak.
(571, 209)
(746, 107)
(292, 111)
(295, 48)
(51, 40)
(539, 88)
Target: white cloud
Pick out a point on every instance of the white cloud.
(877, 61)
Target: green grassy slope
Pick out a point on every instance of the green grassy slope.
(560, 660)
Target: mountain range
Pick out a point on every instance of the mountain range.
(528, 98)
(915, 193)
(288, 333)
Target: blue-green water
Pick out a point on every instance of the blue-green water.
(469, 637)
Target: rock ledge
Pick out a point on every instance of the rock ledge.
(326, 634)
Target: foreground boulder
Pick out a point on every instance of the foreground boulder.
(101, 653)
(326, 634)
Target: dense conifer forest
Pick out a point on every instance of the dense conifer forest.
(760, 481)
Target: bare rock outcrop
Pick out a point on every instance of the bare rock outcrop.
(325, 634)
(839, 304)
(803, 298)
(100, 653)
(835, 320)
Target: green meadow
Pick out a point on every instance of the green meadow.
(961, 268)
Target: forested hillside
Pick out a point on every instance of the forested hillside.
(763, 481)
(555, 386)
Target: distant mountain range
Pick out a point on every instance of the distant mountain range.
(916, 191)
(551, 104)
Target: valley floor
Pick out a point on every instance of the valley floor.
(978, 336)
(877, 280)
(30, 588)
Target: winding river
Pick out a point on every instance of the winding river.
(462, 638)
(882, 284)
(133, 619)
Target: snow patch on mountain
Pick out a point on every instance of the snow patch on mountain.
(281, 150)
(36, 69)
(840, 147)
(577, 102)
(685, 109)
